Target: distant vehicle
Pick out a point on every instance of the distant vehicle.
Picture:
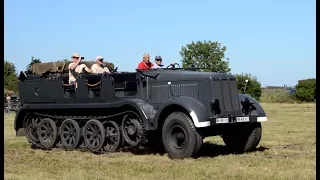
(291, 90)
(13, 105)
(172, 107)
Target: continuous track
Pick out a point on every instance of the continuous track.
(100, 134)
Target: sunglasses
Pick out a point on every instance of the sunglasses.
(100, 60)
(158, 59)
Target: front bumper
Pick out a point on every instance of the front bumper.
(226, 120)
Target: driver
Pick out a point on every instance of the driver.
(158, 61)
(159, 64)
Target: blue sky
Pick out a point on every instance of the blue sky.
(273, 40)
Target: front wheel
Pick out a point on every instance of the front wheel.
(180, 137)
(242, 137)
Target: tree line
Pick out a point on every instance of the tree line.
(207, 56)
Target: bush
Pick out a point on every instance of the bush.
(253, 87)
(277, 96)
(306, 90)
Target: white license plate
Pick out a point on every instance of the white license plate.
(242, 119)
(222, 120)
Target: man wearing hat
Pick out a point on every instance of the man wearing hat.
(75, 68)
(158, 61)
(98, 68)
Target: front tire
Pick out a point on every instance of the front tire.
(180, 137)
(243, 137)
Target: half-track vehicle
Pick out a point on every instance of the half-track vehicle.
(175, 108)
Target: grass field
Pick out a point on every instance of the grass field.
(287, 151)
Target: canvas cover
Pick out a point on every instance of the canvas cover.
(62, 66)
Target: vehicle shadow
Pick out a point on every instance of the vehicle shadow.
(207, 150)
(213, 150)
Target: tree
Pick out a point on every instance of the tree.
(10, 77)
(251, 87)
(205, 54)
(33, 61)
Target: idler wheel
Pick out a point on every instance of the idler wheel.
(31, 128)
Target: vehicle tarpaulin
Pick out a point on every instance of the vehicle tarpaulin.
(61, 66)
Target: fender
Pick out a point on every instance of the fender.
(197, 111)
(18, 120)
(145, 110)
(259, 111)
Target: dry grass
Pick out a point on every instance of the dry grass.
(287, 151)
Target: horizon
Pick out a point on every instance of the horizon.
(268, 39)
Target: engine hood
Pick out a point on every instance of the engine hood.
(181, 75)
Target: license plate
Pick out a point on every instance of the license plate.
(222, 120)
(242, 119)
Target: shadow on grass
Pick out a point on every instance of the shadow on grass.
(207, 150)
(213, 150)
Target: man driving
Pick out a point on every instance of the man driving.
(159, 64)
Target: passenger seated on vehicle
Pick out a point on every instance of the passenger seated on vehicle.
(98, 67)
(145, 63)
(158, 61)
(75, 68)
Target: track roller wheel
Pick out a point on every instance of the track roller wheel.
(31, 125)
(94, 135)
(47, 132)
(70, 134)
(113, 136)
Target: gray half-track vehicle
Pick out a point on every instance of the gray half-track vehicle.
(175, 108)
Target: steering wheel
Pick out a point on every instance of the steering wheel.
(173, 65)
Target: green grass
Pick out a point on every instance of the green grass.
(287, 151)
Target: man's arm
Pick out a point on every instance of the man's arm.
(75, 64)
(88, 69)
(105, 69)
(93, 68)
(140, 66)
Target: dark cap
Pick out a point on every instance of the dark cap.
(158, 58)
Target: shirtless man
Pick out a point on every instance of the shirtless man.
(98, 68)
(75, 68)
(145, 63)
